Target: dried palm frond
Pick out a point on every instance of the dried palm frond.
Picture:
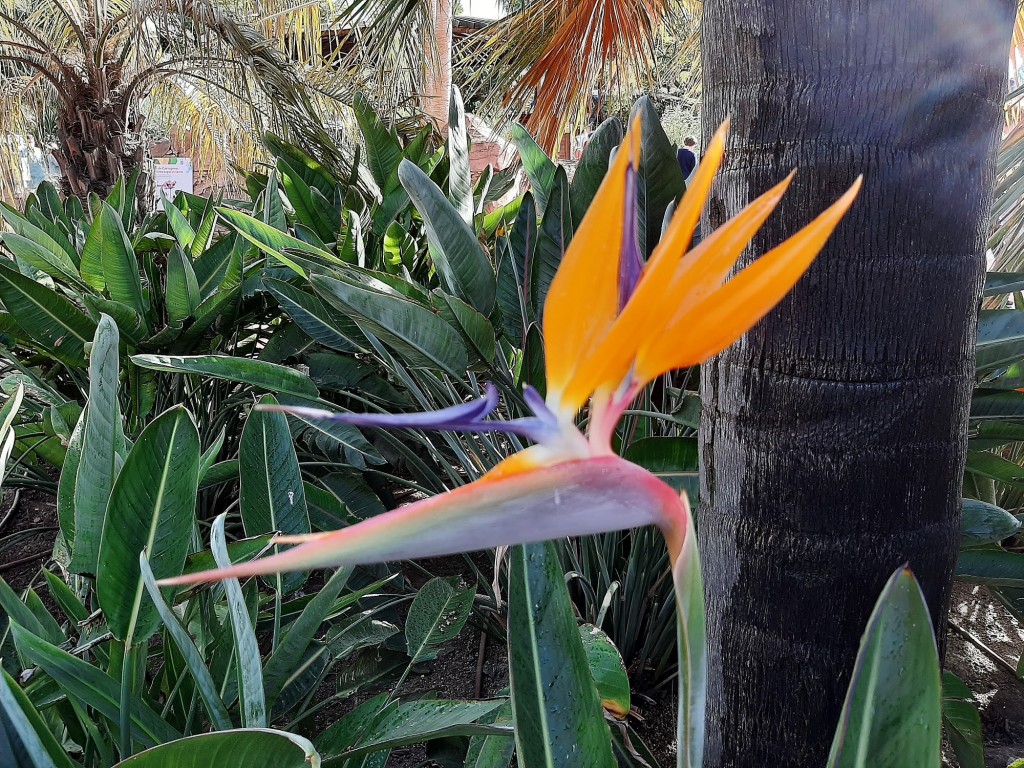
(231, 69)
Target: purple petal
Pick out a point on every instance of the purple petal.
(631, 262)
(468, 417)
(446, 418)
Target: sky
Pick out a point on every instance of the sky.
(485, 9)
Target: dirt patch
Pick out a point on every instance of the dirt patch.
(27, 535)
(983, 621)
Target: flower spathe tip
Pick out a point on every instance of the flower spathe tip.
(572, 498)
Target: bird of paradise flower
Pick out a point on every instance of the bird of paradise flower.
(612, 324)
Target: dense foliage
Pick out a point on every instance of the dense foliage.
(135, 353)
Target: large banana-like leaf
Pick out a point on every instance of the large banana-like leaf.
(103, 446)
(239, 748)
(558, 718)
(892, 717)
(420, 336)
(108, 260)
(93, 687)
(151, 509)
(461, 261)
(36, 746)
(49, 320)
(460, 183)
(256, 373)
(272, 494)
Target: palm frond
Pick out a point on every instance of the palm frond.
(548, 59)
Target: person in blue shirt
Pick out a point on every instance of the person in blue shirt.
(687, 156)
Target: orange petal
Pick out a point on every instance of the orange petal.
(696, 275)
(704, 269)
(607, 364)
(525, 460)
(582, 302)
(706, 329)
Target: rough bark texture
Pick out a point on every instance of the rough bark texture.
(96, 147)
(833, 434)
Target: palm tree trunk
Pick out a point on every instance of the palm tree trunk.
(833, 434)
(96, 147)
(437, 82)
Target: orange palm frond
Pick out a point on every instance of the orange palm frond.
(564, 51)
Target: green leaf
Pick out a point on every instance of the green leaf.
(56, 263)
(68, 480)
(256, 373)
(246, 651)
(182, 296)
(311, 207)
(273, 208)
(532, 371)
(239, 748)
(992, 404)
(538, 166)
(312, 172)
(421, 337)
(892, 717)
(462, 263)
(108, 260)
(299, 634)
(556, 231)
(43, 233)
(1000, 338)
(995, 567)
(383, 150)
(38, 743)
(272, 494)
(673, 459)
(51, 321)
(995, 467)
(179, 225)
(983, 523)
(593, 165)
(186, 646)
(20, 613)
(274, 242)
(460, 184)
(474, 326)
(333, 438)
(152, 510)
(437, 614)
(129, 322)
(691, 634)
(212, 265)
(332, 329)
(1001, 283)
(608, 670)
(418, 721)
(238, 551)
(102, 444)
(514, 287)
(660, 180)
(962, 722)
(93, 688)
(558, 717)
(494, 750)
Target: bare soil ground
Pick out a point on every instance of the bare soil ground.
(982, 621)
